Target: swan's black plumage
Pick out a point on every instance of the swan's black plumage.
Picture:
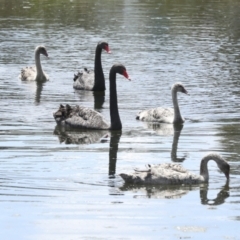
(82, 117)
(92, 80)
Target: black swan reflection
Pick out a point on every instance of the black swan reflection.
(69, 136)
(113, 150)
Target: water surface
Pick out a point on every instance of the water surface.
(62, 184)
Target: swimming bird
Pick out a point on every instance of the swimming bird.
(172, 173)
(165, 115)
(82, 117)
(35, 73)
(92, 80)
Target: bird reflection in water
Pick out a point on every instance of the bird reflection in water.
(113, 149)
(165, 129)
(83, 136)
(36, 87)
(175, 192)
(70, 136)
(39, 89)
(99, 99)
(218, 200)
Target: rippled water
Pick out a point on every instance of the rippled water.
(61, 184)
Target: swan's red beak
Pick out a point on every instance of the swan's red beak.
(125, 74)
(107, 49)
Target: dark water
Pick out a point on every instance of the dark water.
(61, 184)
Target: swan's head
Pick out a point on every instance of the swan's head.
(178, 87)
(62, 113)
(105, 46)
(41, 50)
(221, 163)
(119, 68)
(225, 168)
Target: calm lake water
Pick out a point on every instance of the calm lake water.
(61, 184)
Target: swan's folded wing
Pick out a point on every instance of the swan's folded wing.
(84, 80)
(163, 174)
(87, 118)
(28, 74)
(171, 173)
(171, 167)
(157, 115)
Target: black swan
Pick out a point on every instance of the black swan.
(81, 117)
(92, 80)
(172, 173)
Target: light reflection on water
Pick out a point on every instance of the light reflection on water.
(55, 180)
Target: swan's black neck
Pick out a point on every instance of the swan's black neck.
(99, 81)
(177, 114)
(114, 114)
(39, 70)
